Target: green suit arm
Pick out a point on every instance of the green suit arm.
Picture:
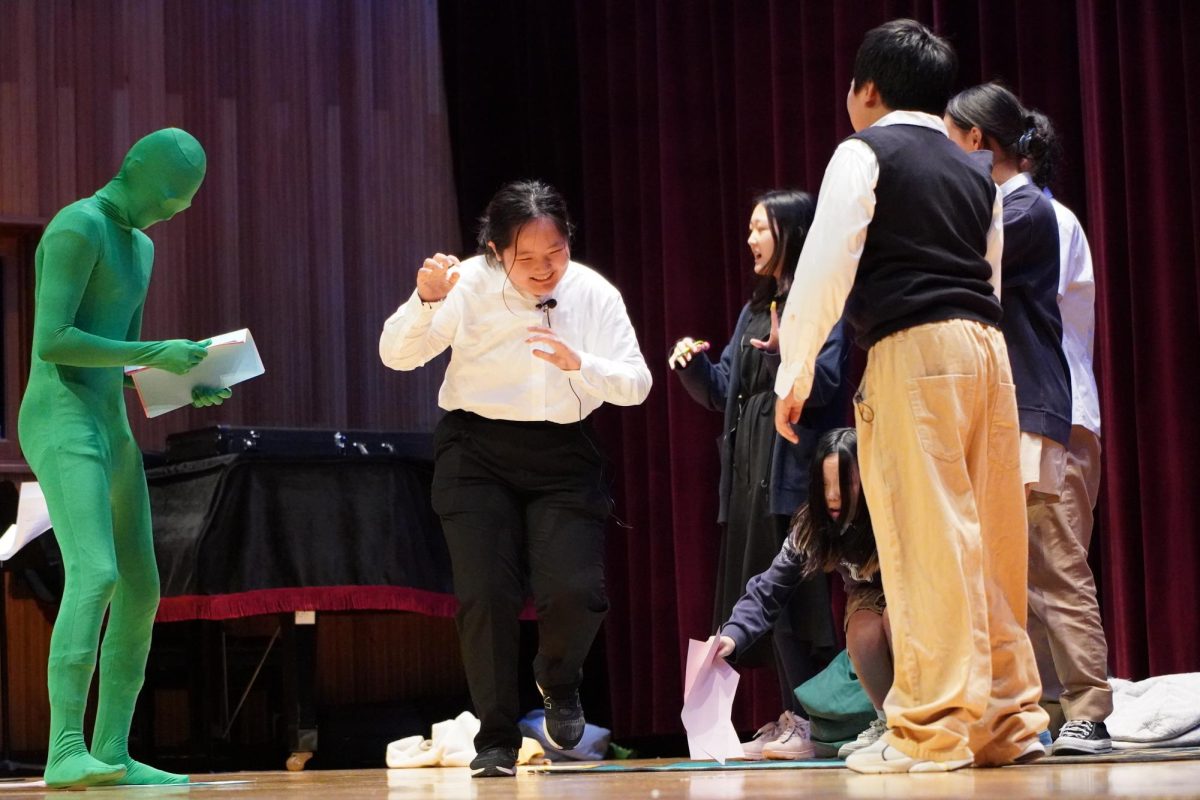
(134, 334)
(68, 259)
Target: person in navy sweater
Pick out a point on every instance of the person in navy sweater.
(830, 533)
(764, 478)
(990, 117)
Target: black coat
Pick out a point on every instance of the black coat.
(716, 386)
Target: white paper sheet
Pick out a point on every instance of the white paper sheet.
(33, 519)
(232, 358)
(709, 686)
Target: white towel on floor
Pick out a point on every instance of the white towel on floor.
(1163, 711)
(452, 745)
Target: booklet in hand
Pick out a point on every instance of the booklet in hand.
(232, 358)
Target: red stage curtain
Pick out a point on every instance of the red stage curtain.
(688, 109)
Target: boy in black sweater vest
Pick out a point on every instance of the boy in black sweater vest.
(908, 238)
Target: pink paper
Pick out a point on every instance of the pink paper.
(709, 686)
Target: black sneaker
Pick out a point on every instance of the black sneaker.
(564, 720)
(495, 762)
(1082, 737)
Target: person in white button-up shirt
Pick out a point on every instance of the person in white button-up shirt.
(908, 238)
(1064, 614)
(538, 342)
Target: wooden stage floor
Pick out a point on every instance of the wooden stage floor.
(1158, 779)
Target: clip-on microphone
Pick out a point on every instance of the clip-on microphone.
(545, 307)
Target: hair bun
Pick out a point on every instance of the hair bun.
(1024, 144)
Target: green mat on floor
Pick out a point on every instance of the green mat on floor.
(694, 766)
(1141, 754)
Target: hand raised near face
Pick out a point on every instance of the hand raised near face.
(436, 277)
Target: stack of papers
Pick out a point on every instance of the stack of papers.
(232, 358)
(33, 519)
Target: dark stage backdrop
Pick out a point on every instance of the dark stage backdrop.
(686, 110)
(329, 178)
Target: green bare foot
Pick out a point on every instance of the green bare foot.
(78, 770)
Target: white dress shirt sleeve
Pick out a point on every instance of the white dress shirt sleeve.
(995, 242)
(1075, 257)
(828, 264)
(614, 371)
(418, 332)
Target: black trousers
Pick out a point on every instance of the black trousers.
(523, 506)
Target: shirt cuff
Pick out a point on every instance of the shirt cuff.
(586, 372)
(428, 305)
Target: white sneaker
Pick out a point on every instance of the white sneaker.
(1031, 752)
(753, 749)
(794, 742)
(882, 757)
(870, 736)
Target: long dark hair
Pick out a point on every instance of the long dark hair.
(823, 542)
(999, 114)
(790, 213)
(516, 204)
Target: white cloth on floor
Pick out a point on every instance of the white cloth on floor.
(1163, 711)
(452, 745)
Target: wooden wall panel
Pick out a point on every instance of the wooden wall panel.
(329, 178)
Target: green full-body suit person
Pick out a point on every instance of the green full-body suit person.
(92, 271)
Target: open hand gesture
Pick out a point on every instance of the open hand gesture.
(436, 277)
(561, 355)
(771, 345)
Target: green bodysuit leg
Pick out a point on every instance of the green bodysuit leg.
(93, 267)
(76, 489)
(130, 622)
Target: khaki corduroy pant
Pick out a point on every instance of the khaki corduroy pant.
(940, 460)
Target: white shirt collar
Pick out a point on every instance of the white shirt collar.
(919, 118)
(1014, 183)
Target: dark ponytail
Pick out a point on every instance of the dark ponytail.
(999, 114)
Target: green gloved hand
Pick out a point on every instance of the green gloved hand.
(177, 355)
(204, 396)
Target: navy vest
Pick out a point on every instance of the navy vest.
(1032, 324)
(923, 260)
